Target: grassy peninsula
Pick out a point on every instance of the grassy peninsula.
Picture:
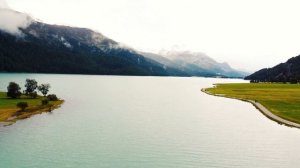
(16, 105)
(283, 100)
(9, 112)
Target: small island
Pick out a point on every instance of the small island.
(279, 102)
(16, 105)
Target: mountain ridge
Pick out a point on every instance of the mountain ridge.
(283, 72)
(196, 63)
(38, 47)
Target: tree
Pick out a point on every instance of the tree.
(44, 89)
(22, 105)
(31, 85)
(13, 90)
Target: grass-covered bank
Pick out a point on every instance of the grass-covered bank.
(16, 104)
(283, 100)
(10, 113)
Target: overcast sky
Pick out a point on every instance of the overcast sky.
(249, 34)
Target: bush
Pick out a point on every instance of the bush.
(22, 105)
(45, 102)
(52, 97)
(33, 95)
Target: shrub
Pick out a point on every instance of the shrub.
(52, 97)
(22, 105)
(33, 95)
(45, 102)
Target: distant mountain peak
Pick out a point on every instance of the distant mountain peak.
(195, 63)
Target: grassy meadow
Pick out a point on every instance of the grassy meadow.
(10, 112)
(282, 100)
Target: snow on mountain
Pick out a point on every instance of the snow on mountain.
(195, 63)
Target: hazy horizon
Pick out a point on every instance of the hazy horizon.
(249, 35)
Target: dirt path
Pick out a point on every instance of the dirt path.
(263, 110)
(272, 116)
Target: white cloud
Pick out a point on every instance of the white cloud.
(11, 21)
(3, 4)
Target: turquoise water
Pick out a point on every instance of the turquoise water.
(144, 122)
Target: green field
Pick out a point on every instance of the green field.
(11, 103)
(8, 108)
(282, 100)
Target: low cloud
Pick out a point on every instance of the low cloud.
(3, 4)
(11, 21)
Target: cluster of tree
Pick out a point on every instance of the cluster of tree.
(288, 72)
(31, 88)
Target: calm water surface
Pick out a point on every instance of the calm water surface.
(145, 122)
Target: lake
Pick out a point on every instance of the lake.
(144, 122)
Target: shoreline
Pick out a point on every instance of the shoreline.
(262, 109)
(3, 124)
(15, 115)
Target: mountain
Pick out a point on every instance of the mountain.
(27, 45)
(283, 72)
(45, 48)
(195, 64)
